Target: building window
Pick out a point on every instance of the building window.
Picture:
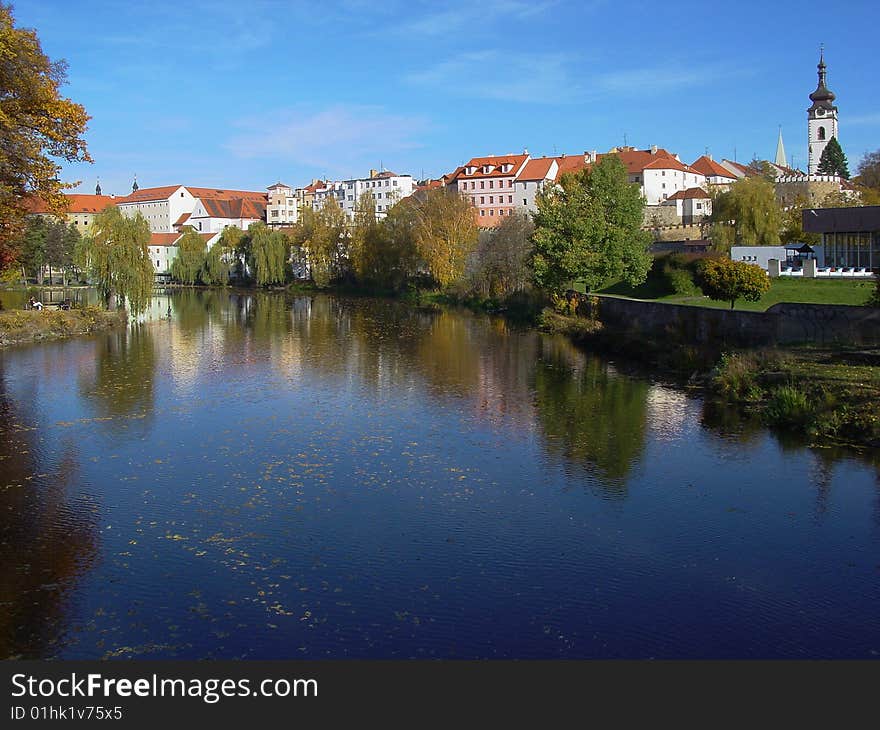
(510, 183)
(525, 202)
(482, 212)
(482, 184)
(482, 199)
(491, 199)
(394, 183)
(821, 133)
(509, 198)
(491, 212)
(491, 184)
(501, 212)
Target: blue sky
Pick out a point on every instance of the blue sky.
(242, 94)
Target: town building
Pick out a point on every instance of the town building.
(716, 174)
(168, 208)
(691, 206)
(81, 209)
(282, 208)
(850, 236)
(488, 182)
(385, 187)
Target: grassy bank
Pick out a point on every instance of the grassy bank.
(20, 326)
(828, 396)
(782, 289)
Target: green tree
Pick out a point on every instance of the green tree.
(868, 172)
(726, 281)
(218, 261)
(833, 160)
(363, 228)
(119, 260)
(746, 214)
(390, 257)
(319, 240)
(37, 127)
(793, 224)
(445, 233)
(190, 260)
(270, 253)
(32, 249)
(588, 228)
(502, 260)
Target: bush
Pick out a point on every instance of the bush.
(789, 407)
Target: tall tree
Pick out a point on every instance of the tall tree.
(833, 160)
(119, 260)
(746, 214)
(32, 250)
(588, 228)
(318, 239)
(390, 257)
(363, 228)
(445, 234)
(190, 259)
(37, 127)
(270, 253)
(868, 171)
(502, 260)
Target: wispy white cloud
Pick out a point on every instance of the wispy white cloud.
(863, 120)
(520, 77)
(652, 80)
(340, 139)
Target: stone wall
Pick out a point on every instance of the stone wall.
(780, 325)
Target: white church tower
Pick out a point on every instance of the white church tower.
(821, 119)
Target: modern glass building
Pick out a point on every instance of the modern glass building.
(851, 236)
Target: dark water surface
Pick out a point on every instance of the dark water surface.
(263, 477)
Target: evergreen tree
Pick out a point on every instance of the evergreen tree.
(833, 161)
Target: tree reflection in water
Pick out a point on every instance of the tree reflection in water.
(590, 416)
(48, 536)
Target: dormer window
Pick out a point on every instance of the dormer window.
(470, 170)
(487, 169)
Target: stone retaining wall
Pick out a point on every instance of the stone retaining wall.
(782, 324)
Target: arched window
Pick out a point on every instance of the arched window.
(821, 133)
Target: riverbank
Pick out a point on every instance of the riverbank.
(830, 395)
(22, 326)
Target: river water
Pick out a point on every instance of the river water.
(266, 477)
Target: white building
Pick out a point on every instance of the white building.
(535, 176)
(386, 189)
(691, 206)
(715, 173)
(212, 215)
(171, 206)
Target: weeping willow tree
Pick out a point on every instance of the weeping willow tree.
(746, 215)
(190, 259)
(118, 260)
(222, 257)
(270, 251)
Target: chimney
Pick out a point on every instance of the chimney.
(372, 173)
(710, 158)
(653, 149)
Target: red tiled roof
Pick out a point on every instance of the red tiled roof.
(571, 163)
(317, 185)
(180, 221)
(690, 194)
(145, 194)
(744, 170)
(234, 208)
(163, 193)
(164, 239)
(495, 163)
(708, 167)
(536, 169)
(76, 203)
(638, 160)
(88, 203)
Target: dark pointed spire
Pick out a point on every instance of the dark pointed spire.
(134, 185)
(98, 187)
(822, 96)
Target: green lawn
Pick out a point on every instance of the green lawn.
(782, 289)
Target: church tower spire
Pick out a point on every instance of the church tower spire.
(134, 185)
(821, 117)
(780, 151)
(98, 187)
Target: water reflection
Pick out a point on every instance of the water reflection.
(48, 537)
(591, 417)
(316, 476)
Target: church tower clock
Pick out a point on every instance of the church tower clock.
(821, 119)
